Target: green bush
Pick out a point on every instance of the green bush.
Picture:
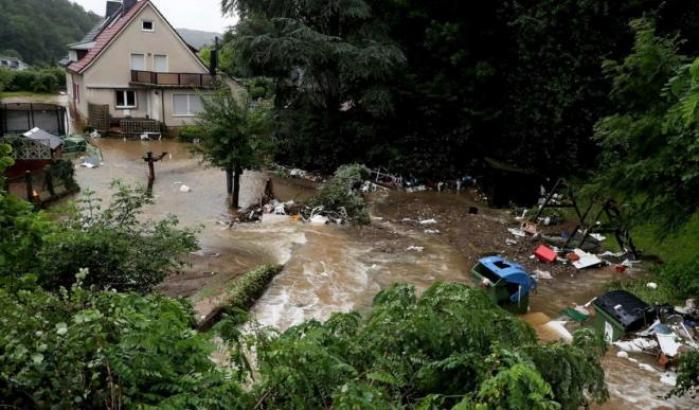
(6, 78)
(81, 349)
(120, 251)
(340, 194)
(450, 347)
(189, 133)
(46, 80)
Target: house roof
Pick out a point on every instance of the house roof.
(106, 37)
(94, 32)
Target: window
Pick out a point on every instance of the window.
(126, 99)
(160, 63)
(186, 104)
(147, 25)
(138, 62)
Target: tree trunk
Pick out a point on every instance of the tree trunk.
(236, 188)
(229, 180)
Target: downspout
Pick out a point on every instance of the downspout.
(162, 105)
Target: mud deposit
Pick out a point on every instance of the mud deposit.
(338, 268)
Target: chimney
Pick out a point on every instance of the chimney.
(213, 59)
(113, 7)
(128, 4)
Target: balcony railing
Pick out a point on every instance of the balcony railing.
(181, 80)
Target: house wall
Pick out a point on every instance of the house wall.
(113, 67)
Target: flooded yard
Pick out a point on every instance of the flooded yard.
(338, 268)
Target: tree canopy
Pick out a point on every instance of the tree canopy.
(40, 30)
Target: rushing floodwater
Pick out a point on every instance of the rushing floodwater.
(327, 268)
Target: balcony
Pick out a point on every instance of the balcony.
(172, 80)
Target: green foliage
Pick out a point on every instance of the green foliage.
(234, 134)
(189, 133)
(82, 349)
(340, 194)
(44, 81)
(688, 375)
(450, 347)
(330, 62)
(21, 232)
(120, 250)
(650, 145)
(40, 30)
(247, 289)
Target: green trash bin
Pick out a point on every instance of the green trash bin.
(619, 312)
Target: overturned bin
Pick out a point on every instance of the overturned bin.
(506, 283)
(619, 312)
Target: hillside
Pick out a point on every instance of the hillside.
(39, 30)
(198, 38)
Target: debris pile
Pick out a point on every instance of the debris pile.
(640, 331)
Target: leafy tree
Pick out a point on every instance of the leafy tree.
(649, 145)
(650, 151)
(234, 136)
(332, 64)
(450, 348)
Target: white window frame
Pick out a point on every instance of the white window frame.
(189, 105)
(167, 63)
(152, 25)
(145, 66)
(126, 100)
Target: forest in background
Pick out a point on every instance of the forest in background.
(39, 31)
(432, 88)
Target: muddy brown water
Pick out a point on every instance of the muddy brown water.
(338, 268)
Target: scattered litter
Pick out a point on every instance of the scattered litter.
(511, 241)
(586, 260)
(419, 188)
(598, 237)
(667, 340)
(652, 285)
(542, 274)
(622, 354)
(689, 308)
(558, 328)
(280, 209)
(647, 367)
(637, 345)
(274, 219)
(415, 248)
(517, 232)
(432, 231)
(319, 220)
(669, 378)
(90, 162)
(530, 228)
(185, 188)
(431, 221)
(545, 254)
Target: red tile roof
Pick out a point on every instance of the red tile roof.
(106, 37)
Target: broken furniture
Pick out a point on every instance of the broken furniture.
(506, 283)
(588, 227)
